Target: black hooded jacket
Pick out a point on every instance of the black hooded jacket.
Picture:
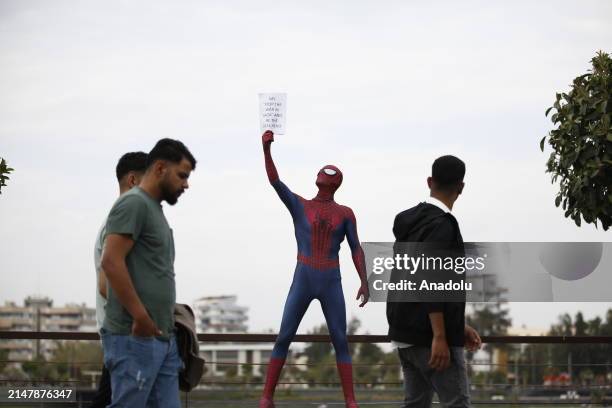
(409, 321)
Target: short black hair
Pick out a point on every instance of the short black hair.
(447, 172)
(171, 150)
(132, 161)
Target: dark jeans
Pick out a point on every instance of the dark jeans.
(102, 398)
(421, 381)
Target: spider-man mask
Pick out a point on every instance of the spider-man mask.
(329, 179)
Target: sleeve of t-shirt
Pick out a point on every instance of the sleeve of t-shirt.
(127, 216)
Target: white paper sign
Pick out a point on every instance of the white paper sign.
(272, 112)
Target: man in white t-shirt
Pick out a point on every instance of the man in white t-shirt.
(129, 171)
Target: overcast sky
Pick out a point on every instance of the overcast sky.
(379, 89)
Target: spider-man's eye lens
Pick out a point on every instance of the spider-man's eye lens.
(330, 172)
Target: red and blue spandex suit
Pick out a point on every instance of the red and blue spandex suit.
(320, 226)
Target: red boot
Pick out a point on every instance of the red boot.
(274, 369)
(345, 370)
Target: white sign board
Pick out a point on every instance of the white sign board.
(272, 112)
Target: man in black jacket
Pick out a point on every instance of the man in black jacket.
(430, 336)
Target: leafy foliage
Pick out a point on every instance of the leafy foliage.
(69, 353)
(4, 171)
(70, 361)
(489, 319)
(582, 145)
(590, 362)
(38, 368)
(372, 364)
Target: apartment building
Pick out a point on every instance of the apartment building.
(38, 314)
(222, 314)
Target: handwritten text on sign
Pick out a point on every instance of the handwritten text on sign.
(272, 112)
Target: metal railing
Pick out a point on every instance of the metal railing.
(234, 392)
(308, 338)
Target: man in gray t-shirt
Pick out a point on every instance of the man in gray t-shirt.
(138, 332)
(150, 262)
(129, 171)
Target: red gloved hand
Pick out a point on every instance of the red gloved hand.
(267, 137)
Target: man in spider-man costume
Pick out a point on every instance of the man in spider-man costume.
(320, 226)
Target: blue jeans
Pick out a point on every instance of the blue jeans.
(420, 380)
(143, 371)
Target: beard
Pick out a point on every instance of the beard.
(169, 195)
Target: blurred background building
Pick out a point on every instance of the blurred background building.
(38, 314)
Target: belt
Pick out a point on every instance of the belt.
(318, 263)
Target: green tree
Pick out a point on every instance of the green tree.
(323, 373)
(368, 364)
(353, 325)
(72, 358)
(371, 364)
(584, 362)
(367, 357)
(581, 157)
(317, 352)
(39, 369)
(390, 371)
(489, 319)
(320, 360)
(4, 171)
